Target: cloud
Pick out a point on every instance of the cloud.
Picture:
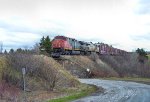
(12, 27)
(21, 32)
(17, 39)
(144, 7)
(28, 26)
(115, 22)
(141, 38)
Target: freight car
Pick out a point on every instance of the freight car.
(62, 45)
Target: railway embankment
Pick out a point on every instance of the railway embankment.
(87, 66)
(106, 66)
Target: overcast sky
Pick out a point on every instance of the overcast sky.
(125, 24)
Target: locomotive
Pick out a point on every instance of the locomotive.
(62, 45)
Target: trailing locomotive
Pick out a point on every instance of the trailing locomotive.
(62, 45)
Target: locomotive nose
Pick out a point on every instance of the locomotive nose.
(58, 44)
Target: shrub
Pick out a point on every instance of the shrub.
(37, 67)
(128, 66)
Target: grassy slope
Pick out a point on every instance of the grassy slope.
(65, 78)
(81, 63)
(69, 93)
(63, 74)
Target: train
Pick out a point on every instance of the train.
(62, 45)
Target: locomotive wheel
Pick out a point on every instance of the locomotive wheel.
(82, 53)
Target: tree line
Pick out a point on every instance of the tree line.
(45, 47)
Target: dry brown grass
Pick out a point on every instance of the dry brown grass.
(42, 73)
(2, 65)
(77, 65)
(128, 66)
(9, 93)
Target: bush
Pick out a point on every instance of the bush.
(48, 72)
(128, 66)
(35, 67)
(2, 66)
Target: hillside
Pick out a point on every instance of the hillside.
(48, 78)
(78, 66)
(44, 76)
(106, 66)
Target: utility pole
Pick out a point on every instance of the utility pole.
(24, 87)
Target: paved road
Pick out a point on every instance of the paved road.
(118, 91)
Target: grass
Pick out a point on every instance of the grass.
(139, 80)
(84, 90)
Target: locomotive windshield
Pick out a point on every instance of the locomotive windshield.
(60, 37)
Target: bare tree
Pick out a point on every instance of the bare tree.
(1, 47)
(36, 48)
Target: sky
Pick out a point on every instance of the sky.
(124, 24)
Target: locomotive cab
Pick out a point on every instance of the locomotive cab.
(60, 45)
(65, 46)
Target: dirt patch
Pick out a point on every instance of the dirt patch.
(9, 93)
(40, 96)
(100, 90)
